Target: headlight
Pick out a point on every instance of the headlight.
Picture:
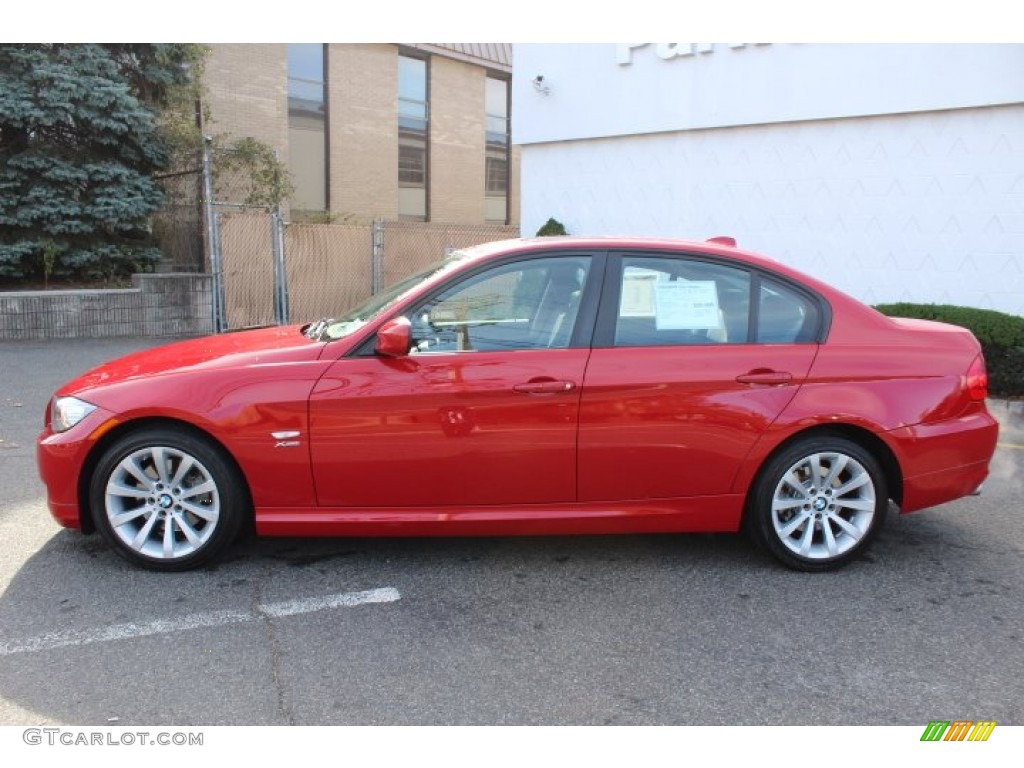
(68, 411)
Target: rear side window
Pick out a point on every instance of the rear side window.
(785, 315)
(679, 301)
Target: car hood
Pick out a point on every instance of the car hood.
(264, 346)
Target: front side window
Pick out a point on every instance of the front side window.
(361, 314)
(525, 305)
(674, 301)
(413, 122)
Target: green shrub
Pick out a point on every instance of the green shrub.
(551, 228)
(1001, 336)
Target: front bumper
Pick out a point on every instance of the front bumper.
(61, 457)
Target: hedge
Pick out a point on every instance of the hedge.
(1001, 336)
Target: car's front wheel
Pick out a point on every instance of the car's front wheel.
(818, 503)
(167, 499)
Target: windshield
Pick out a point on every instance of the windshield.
(359, 316)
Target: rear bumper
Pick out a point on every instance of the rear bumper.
(945, 461)
(939, 487)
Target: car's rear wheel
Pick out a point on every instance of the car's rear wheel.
(817, 504)
(167, 499)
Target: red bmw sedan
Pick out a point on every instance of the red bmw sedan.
(548, 386)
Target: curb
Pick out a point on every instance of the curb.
(1015, 407)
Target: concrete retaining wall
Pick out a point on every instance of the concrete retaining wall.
(175, 304)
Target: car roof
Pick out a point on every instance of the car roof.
(614, 242)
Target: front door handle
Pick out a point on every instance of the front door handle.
(765, 377)
(544, 387)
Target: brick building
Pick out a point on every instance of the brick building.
(414, 132)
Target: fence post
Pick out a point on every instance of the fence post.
(219, 300)
(213, 238)
(377, 257)
(280, 273)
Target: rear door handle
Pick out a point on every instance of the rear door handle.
(545, 387)
(765, 377)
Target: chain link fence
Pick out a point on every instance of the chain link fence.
(178, 225)
(331, 267)
(247, 276)
(212, 221)
(412, 246)
(269, 271)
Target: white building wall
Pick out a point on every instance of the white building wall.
(918, 206)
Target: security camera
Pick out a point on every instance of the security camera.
(539, 79)
(540, 86)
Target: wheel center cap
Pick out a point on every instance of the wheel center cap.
(165, 501)
(819, 504)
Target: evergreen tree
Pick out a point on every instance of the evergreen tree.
(80, 142)
(552, 228)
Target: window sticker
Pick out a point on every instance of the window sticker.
(637, 293)
(686, 305)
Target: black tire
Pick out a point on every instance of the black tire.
(818, 525)
(173, 520)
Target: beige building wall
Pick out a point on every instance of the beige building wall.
(457, 136)
(362, 109)
(247, 95)
(246, 92)
(515, 168)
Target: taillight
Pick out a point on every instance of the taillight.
(977, 380)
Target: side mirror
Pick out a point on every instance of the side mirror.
(394, 338)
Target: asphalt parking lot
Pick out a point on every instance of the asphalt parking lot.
(687, 630)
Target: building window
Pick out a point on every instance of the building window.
(413, 122)
(497, 160)
(307, 126)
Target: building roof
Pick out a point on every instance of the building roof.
(493, 55)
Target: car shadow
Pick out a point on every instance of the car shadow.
(116, 645)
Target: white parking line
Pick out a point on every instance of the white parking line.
(64, 639)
